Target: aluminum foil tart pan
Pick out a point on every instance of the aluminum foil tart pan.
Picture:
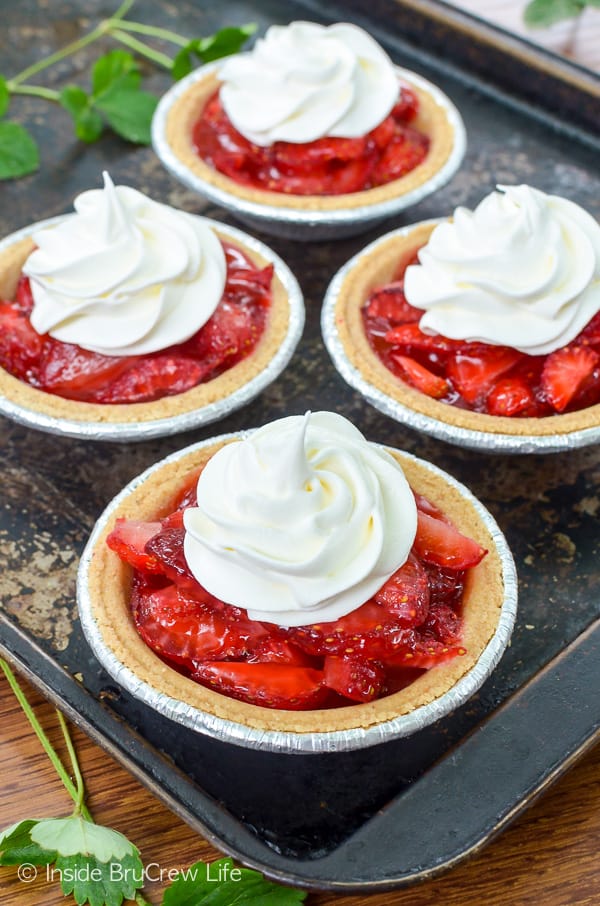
(123, 431)
(290, 222)
(555, 439)
(102, 643)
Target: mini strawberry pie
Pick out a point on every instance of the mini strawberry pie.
(129, 311)
(299, 578)
(486, 323)
(313, 118)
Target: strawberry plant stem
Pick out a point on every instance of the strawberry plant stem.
(80, 808)
(153, 31)
(156, 56)
(37, 91)
(74, 792)
(56, 57)
(71, 48)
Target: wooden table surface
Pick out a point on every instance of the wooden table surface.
(549, 857)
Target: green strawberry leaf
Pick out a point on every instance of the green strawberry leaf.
(114, 69)
(87, 121)
(19, 153)
(129, 113)
(100, 883)
(541, 13)
(4, 96)
(96, 864)
(17, 847)
(182, 62)
(222, 884)
(223, 43)
(74, 99)
(75, 835)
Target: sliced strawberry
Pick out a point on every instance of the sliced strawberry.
(352, 175)
(129, 538)
(173, 520)
(424, 654)
(316, 153)
(566, 372)
(355, 678)
(237, 259)
(20, 344)
(407, 105)
(369, 629)
(317, 181)
(383, 133)
(188, 495)
(446, 586)
(422, 378)
(166, 546)
(389, 303)
(268, 685)
(250, 287)
(403, 153)
(426, 506)
(511, 396)
(23, 297)
(151, 379)
(229, 333)
(187, 630)
(406, 594)
(280, 651)
(79, 374)
(475, 370)
(412, 337)
(440, 543)
(444, 623)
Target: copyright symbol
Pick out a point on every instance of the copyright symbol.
(27, 872)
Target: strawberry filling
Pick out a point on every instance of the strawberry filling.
(411, 624)
(228, 337)
(326, 166)
(495, 380)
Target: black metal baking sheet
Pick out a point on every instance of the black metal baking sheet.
(55, 487)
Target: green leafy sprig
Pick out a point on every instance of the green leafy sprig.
(100, 866)
(543, 13)
(115, 101)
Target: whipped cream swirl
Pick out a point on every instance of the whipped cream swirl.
(124, 275)
(521, 270)
(301, 522)
(305, 81)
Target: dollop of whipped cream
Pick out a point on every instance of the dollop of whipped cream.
(305, 81)
(301, 522)
(521, 270)
(124, 275)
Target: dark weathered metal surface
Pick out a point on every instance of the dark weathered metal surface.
(547, 506)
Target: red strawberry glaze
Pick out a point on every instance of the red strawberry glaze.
(228, 337)
(495, 380)
(326, 166)
(411, 624)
